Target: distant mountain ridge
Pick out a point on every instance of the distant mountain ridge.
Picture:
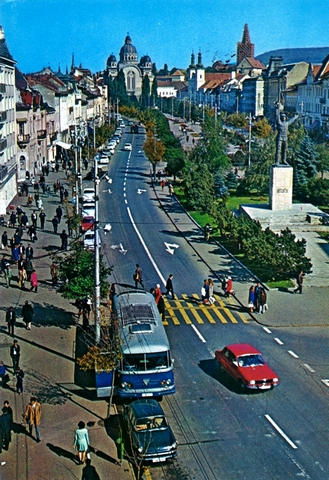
(314, 55)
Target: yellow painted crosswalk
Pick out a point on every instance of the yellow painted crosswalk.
(189, 309)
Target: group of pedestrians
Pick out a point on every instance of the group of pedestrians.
(257, 299)
(207, 291)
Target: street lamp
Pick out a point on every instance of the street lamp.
(96, 250)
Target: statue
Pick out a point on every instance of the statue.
(282, 136)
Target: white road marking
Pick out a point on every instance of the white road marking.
(126, 201)
(326, 382)
(267, 330)
(293, 354)
(198, 333)
(145, 247)
(172, 245)
(124, 195)
(278, 429)
(278, 341)
(308, 367)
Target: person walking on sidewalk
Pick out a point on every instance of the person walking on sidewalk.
(300, 280)
(15, 353)
(59, 213)
(19, 380)
(6, 427)
(81, 441)
(4, 241)
(169, 286)
(27, 314)
(8, 274)
(138, 276)
(32, 416)
(63, 237)
(11, 320)
(55, 223)
(29, 252)
(42, 217)
(34, 281)
(54, 274)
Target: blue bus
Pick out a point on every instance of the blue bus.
(146, 367)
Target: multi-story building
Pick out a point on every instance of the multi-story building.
(8, 186)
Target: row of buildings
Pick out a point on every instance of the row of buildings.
(45, 113)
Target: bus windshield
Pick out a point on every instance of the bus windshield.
(142, 362)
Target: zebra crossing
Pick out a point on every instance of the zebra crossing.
(189, 309)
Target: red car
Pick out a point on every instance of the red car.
(247, 366)
(87, 223)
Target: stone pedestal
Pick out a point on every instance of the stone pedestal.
(281, 187)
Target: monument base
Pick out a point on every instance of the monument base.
(281, 177)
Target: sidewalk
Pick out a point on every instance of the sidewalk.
(48, 360)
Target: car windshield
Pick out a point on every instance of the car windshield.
(142, 362)
(150, 423)
(251, 360)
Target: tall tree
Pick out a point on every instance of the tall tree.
(145, 96)
(154, 91)
(306, 165)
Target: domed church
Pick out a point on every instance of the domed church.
(133, 70)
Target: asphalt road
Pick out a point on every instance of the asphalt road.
(222, 433)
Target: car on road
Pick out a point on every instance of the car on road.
(128, 146)
(88, 209)
(149, 432)
(103, 159)
(89, 240)
(87, 223)
(88, 195)
(116, 138)
(245, 364)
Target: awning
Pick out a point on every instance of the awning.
(67, 146)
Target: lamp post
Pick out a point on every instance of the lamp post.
(249, 138)
(96, 250)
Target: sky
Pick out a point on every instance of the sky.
(42, 33)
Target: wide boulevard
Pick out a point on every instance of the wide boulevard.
(221, 432)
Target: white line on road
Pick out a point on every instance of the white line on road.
(293, 354)
(198, 333)
(308, 367)
(267, 330)
(326, 382)
(278, 429)
(278, 341)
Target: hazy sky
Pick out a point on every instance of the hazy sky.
(42, 33)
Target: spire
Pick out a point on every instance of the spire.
(192, 60)
(72, 66)
(246, 36)
(199, 64)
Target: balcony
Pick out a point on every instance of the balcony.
(3, 144)
(23, 139)
(42, 134)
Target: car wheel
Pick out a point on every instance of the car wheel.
(242, 386)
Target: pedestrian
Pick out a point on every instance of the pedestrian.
(170, 189)
(22, 277)
(19, 380)
(3, 373)
(29, 252)
(157, 293)
(138, 276)
(42, 217)
(27, 314)
(262, 301)
(81, 441)
(32, 233)
(32, 416)
(229, 287)
(36, 196)
(4, 241)
(21, 249)
(15, 353)
(55, 223)
(3, 264)
(9, 409)
(169, 286)
(12, 219)
(205, 292)
(28, 268)
(8, 275)
(257, 293)
(251, 299)
(59, 213)
(163, 184)
(300, 280)
(34, 281)
(54, 274)
(211, 290)
(85, 163)
(29, 200)
(61, 193)
(11, 320)
(34, 219)
(25, 220)
(63, 237)
(7, 421)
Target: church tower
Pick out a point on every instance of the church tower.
(245, 48)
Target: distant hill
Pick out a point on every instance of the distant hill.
(294, 55)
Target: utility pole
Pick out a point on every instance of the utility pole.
(249, 138)
(76, 170)
(96, 250)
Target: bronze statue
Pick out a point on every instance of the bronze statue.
(282, 136)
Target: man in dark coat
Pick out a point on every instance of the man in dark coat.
(6, 420)
(11, 320)
(63, 237)
(169, 286)
(42, 217)
(29, 252)
(27, 314)
(15, 353)
(59, 213)
(55, 223)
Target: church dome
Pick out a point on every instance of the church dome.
(128, 52)
(111, 60)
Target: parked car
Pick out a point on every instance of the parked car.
(103, 159)
(89, 240)
(87, 223)
(116, 138)
(107, 152)
(150, 434)
(128, 146)
(88, 194)
(245, 364)
(88, 209)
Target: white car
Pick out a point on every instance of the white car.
(88, 209)
(89, 240)
(103, 159)
(88, 195)
(128, 146)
